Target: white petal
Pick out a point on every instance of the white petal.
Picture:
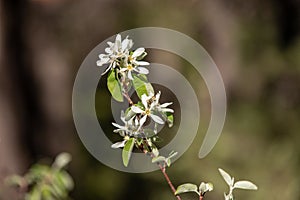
(167, 110)
(118, 144)
(157, 119)
(142, 70)
(138, 52)
(110, 44)
(136, 109)
(119, 126)
(108, 50)
(123, 69)
(130, 75)
(125, 44)
(157, 96)
(144, 100)
(166, 104)
(142, 63)
(143, 120)
(107, 69)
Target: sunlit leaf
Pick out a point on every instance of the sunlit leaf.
(170, 119)
(205, 187)
(247, 185)
(127, 151)
(158, 159)
(226, 176)
(62, 160)
(114, 86)
(187, 187)
(168, 161)
(141, 85)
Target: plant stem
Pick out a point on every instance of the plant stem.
(163, 170)
(201, 197)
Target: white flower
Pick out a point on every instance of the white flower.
(129, 128)
(134, 65)
(115, 52)
(162, 107)
(148, 110)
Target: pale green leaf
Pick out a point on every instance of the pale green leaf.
(187, 187)
(114, 86)
(170, 119)
(246, 185)
(62, 160)
(155, 151)
(141, 85)
(226, 176)
(168, 161)
(205, 187)
(158, 159)
(127, 151)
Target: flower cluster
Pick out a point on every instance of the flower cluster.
(151, 108)
(137, 114)
(119, 56)
(126, 70)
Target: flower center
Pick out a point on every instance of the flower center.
(147, 112)
(129, 67)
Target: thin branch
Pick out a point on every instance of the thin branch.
(163, 170)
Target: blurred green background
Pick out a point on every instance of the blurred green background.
(255, 44)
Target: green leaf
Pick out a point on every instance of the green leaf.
(168, 161)
(127, 150)
(141, 85)
(246, 185)
(129, 114)
(205, 187)
(226, 177)
(114, 86)
(158, 159)
(170, 119)
(187, 187)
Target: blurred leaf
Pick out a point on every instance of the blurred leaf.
(247, 185)
(62, 160)
(187, 187)
(141, 85)
(15, 180)
(114, 86)
(34, 194)
(127, 151)
(66, 180)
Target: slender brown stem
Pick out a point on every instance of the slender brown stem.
(201, 197)
(163, 170)
(125, 94)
